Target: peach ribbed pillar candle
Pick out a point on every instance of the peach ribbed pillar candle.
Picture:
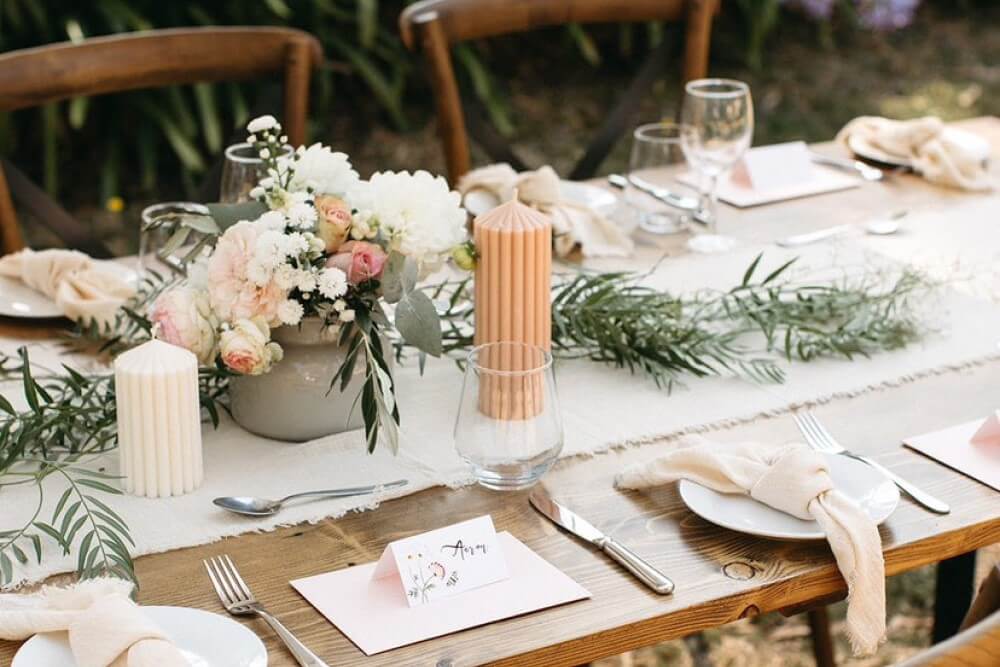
(513, 303)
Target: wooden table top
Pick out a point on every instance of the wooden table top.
(720, 575)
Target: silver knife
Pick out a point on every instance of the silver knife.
(582, 528)
(680, 202)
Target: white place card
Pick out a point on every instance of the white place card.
(444, 562)
(774, 167)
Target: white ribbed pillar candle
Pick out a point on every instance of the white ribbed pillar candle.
(159, 420)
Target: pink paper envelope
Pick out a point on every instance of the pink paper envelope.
(374, 614)
(956, 448)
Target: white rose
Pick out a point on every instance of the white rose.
(261, 124)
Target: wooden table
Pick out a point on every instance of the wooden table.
(721, 576)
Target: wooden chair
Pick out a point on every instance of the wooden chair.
(150, 59)
(435, 25)
(978, 644)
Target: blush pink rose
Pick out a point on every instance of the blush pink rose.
(360, 260)
(232, 294)
(246, 347)
(183, 317)
(334, 221)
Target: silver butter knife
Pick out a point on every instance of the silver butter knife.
(583, 529)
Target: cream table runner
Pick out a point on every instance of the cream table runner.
(602, 407)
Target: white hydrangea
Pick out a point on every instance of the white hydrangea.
(290, 312)
(417, 213)
(325, 171)
(333, 284)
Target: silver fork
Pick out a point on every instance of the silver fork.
(239, 601)
(820, 439)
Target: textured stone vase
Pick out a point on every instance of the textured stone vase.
(291, 401)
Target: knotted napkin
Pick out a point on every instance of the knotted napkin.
(105, 628)
(81, 287)
(796, 480)
(934, 154)
(573, 225)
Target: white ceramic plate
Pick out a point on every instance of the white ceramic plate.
(19, 300)
(970, 142)
(858, 481)
(205, 639)
(478, 202)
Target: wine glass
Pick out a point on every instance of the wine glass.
(656, 147)
(717, 128)
(241, 172)
(508, 426)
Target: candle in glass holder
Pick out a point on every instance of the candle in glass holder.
(159, 420)
(513, 302)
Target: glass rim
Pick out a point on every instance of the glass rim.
(153, 211)
(735, 88)
(473, 355)
(646, 131)
(232, 150)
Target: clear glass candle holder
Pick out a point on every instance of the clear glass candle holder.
(509, 428)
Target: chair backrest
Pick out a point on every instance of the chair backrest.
(978, 644)
(435, 25)
(152, 59)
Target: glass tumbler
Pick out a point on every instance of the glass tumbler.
(159, 224)
(241, 172)
(655, 159)
(508, 427)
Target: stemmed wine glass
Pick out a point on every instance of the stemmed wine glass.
(241, 172)
(716, 130)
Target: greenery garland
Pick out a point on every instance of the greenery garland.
(609, 318)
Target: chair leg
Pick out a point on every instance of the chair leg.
(819, 625)
(952, 594)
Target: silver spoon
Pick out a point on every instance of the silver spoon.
(885, 226)
(250, 506)
(877, 227)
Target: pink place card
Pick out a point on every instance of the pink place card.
(374, 614)
(972, 448)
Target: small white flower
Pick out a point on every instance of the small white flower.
(316, 245)
(302, 216)
(262, 123)
(264, 154)
(286, 276)
(295, 244)
(266, 182)
(251, 139)
(256, 192)
(290, 312)
(347, 316)
(339, 305)
(272, 220)
(258, 272)
(333, 284)
(306, 281)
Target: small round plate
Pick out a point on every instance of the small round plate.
(869, 488)
(205, 639)
(971, 143)
(19, 300)
(478, 202)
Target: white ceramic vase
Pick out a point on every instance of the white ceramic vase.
(294, 402)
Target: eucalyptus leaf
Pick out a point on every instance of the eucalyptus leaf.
(227, 215)
(398, 277)
(418, 322)
(201, 223)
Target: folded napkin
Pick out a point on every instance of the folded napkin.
(573, 225)
(934, 154)
(793, 479)
(81, 287)
(106, 629)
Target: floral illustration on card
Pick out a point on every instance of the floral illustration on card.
(424, 576)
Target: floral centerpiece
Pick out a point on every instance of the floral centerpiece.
(322, 246)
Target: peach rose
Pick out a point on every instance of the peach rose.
(334, 221)
(183, 316)
(231, 292)
(360, 260)
(246, 347)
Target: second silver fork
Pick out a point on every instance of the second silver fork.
(820, 439)
(236, 597)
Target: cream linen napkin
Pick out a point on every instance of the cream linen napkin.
(572, 224)
(934, 155)
(81, 287)
(106, 629)
(793, 479)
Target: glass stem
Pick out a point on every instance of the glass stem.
(710, 202)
